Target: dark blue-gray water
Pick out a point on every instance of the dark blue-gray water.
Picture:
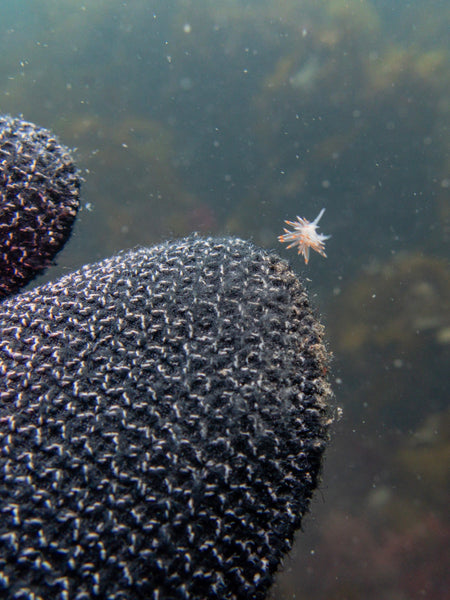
(224, 116)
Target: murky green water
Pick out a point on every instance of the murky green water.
(230, 117)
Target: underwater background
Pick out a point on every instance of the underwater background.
(228, 117)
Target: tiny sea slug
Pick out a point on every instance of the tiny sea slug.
(305, 236)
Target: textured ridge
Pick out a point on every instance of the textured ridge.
(162, 422)
(39, 190)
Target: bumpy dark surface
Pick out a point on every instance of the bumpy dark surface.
(163, 418)
(39, 198)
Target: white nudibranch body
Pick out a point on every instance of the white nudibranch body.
(305, 236)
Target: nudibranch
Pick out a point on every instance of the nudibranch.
(305, 236)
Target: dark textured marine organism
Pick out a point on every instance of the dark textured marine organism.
(163, 417)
